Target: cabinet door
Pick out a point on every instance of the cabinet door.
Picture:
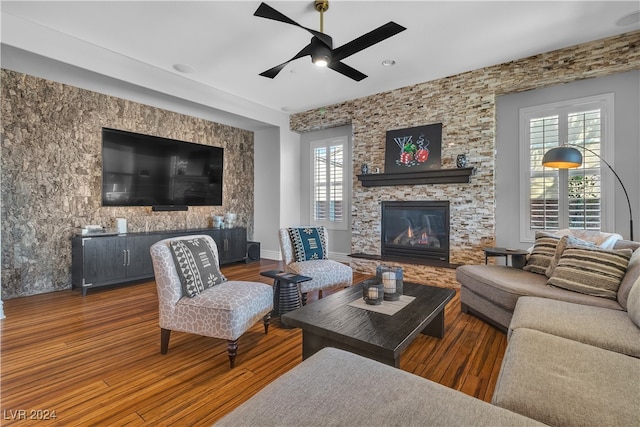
(139, 262)
(104, 259)
(235, 244)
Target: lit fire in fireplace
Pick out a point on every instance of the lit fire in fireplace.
(423, 237)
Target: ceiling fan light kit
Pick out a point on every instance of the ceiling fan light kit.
(320, 48)
(321, 55)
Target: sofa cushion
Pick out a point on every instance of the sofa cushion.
(543, 251)
(563, 243)
(308, 243)
(601, 327)
(224, 311)
(591, 271)
(633, 304)
(355, 391)
(566, 383)
(197, 265)
(326, 274)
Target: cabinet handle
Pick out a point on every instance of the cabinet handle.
(128, 257)
(124, 257)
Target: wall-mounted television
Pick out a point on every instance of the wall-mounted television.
(145, 170)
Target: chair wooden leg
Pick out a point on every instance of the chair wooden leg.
(232, 349)
(320, 294)
(165, 334)
(266, 320)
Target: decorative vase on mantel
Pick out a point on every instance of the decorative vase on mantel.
(461, 161)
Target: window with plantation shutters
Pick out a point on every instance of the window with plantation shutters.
(553, 199)
(328, 182)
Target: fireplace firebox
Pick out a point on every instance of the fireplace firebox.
(416, 229)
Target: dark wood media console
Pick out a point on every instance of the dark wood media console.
(110, 259)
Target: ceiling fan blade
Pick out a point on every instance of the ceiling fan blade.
(376, 36)
(272, 72)
(266, 11)
(346, 70)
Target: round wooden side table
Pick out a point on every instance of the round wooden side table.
(518, 256)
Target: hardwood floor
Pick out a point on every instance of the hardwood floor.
(96, 360)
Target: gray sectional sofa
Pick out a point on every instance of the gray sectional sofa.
(571, 360)
(491, 292)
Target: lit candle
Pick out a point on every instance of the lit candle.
(389, 282)
(373, 293)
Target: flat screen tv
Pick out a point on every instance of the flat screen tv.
(145, 170)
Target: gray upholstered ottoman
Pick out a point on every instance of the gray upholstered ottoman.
(337, 388)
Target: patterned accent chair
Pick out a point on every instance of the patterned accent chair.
(326, 273)
(223, 311)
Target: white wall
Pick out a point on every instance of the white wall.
(266, 191)
(339, 240)
(277, 187)
(290, 176)
(626, 89)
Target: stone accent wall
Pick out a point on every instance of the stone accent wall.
(51, 175)
(465, 105)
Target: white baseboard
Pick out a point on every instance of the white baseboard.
(268, 254)
(340, 257)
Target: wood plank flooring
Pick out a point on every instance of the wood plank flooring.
(96, 360)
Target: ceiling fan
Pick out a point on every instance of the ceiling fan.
(321, 46)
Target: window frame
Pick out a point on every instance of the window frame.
(327, 143)
(604, 102)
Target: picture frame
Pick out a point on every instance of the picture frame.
(413, 149)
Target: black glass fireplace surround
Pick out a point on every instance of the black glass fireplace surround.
(416, 229)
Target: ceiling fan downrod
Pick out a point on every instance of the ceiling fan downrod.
(321, 6)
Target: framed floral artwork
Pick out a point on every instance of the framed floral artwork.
(413, 149)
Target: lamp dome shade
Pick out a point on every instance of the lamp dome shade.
(562, 158)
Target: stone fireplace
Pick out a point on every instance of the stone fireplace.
(416, 230)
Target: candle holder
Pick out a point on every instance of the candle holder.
(391, 279)
(372, 292)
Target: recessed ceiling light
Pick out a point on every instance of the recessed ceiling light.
(388, 63)
(632, 18)
(184, 68)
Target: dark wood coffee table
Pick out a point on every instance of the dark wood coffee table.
(331, 322)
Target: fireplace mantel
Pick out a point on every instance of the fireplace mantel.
(434, 176)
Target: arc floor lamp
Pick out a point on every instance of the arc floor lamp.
(567, 157)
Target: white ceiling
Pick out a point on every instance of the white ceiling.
(139, 42)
